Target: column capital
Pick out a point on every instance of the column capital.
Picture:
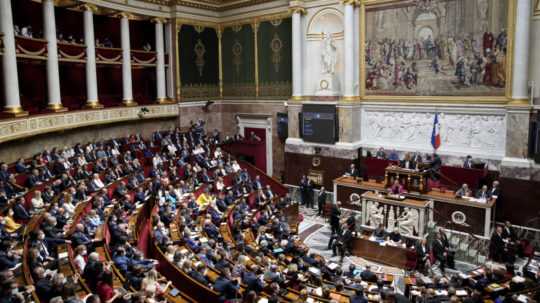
(88, 7)
(536, 11)
(219, 31)
(350, 2)
(297, 7)
(123, 15)
(158, 20)
(255, 26)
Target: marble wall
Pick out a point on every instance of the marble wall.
(222, 116)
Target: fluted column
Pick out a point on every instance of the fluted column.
(160, 62)
(127, 86)
(9, 62)
(92, 100)
(53, 74)
(170, 60)
(520, 70)
(297, 49)
(349, 30)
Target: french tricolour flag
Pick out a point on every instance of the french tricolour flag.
(436, 133)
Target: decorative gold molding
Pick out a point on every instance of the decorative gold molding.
(159, 20)
(219, 32)
(56, 107)
(165, 101)
(255, 26)
(129, 102)
(11, 129)
(536, 11)
(519, 102)
(349, 2)
(361, 49)
(88, 7)
(507, 97)
(93, 104)
(14, 112)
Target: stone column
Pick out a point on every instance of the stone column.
(127, 86)
(515, 163)
(349, 65)
(92, 100)
(160, 62)
(170, 53)
(520, 70)
(297, 48)
(53, 75)
(9, 63)
(535, 55)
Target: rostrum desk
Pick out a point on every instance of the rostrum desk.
(448, 211)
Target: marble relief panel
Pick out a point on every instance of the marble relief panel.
(460, 133)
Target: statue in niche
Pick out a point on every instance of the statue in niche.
(328, 55)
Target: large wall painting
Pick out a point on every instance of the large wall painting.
(437, 48)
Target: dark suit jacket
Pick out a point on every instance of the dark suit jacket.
(410, 165)
(368, 276)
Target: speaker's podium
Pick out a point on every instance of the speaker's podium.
(411, 179)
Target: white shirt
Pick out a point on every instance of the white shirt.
(80, 262)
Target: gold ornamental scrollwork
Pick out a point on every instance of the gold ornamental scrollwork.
(199, 50)
(237, 55)
(276, 45)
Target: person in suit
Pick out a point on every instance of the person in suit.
(303, 189)
(482, 193)
(439, 251)
(468, 163)
(227, 288)
(352, 171)
(20, 213)
(395, 236)
(463, 191)
(379, 232)
(335, 215)
(422, 254)
(321, 201)
(494, 191)
(310, 194)
(497, 245)
(359, 295)
(368, 276)
(508, 232)
(407, 162)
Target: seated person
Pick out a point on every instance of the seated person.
(464, 191)
(396, 188)
(483, 193)
(379, 233)
(395, 236)
(352, 171)
(407, 162)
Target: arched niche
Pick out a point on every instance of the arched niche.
(327, 20)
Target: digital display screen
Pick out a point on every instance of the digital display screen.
(319, 123)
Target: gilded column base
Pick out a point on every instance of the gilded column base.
(129, 102)
(350, 98)
(56, 108)
(297, 98)
(14, 112)
(519, 102)
(93, 105)
(165, 101)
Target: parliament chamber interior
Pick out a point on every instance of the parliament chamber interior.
(261, 151)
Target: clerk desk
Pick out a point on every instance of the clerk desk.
(448, 211)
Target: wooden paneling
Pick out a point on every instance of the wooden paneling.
(299, 164)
